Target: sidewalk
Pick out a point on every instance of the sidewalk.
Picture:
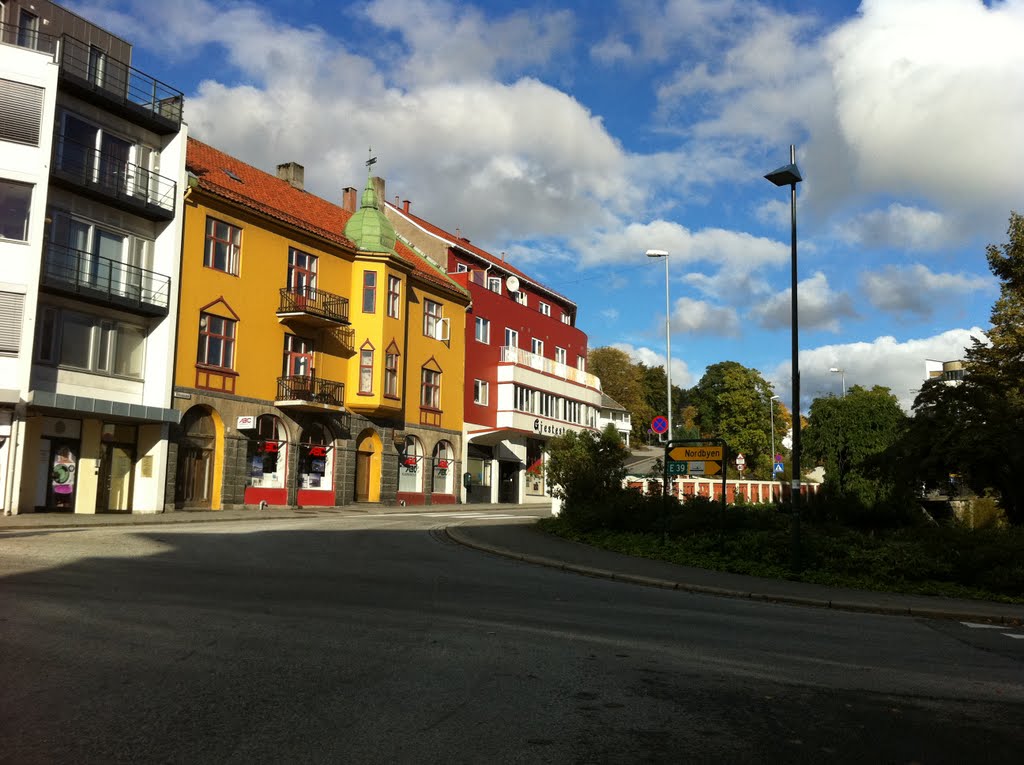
(519, 539)
(522, 541)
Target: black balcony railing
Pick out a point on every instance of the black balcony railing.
(25, 37)
(310, 389)
(105, 281)
(124, 88)
(108, 175)
(314, 301)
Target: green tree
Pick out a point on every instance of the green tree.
(623, 381)
(854, 438)
(990, 402)
(732, 403)
(585, 469)
(655, 385)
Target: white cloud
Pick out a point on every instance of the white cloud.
(916, 289)
(733, 249)
(819, 308)
(452, 43)
(611, 51)
(698, 316)
(899, 366)
(681, 375)
(926, 94)
(898, 226)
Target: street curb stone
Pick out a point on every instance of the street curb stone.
(458, 535)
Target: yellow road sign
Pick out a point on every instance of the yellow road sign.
(687, 453)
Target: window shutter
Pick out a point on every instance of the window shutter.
(12, 307)
(21, 109)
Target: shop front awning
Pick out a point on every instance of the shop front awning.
(84, 406)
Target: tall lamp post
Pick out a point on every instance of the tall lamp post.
(839, 370)
(668, 338)
(771, 414)
(789, 175)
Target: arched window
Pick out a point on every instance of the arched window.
(410, 466)
(316, 458)
(444, 468)
(269, 454)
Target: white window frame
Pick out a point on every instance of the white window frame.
(513, 336)
(560, 355)
(566, 319)
(431, 317)
(13, 191)
(494, 284)
(537, 347)
(544, 308)
(521, 298)
(481, 392)
(105, 337)
(482, 330)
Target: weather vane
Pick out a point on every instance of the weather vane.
(372, 158)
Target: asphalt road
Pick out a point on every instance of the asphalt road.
(375, 639)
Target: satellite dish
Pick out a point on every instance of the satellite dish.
(512, 283)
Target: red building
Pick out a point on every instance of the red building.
(526, 378)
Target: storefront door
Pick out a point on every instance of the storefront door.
(114, 493)
(60, 491)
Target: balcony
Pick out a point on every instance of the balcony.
(23, 37)
(108, 177)
(310, 393)
(312, 307)
(519, 357)
(103, 281)
(119, 88)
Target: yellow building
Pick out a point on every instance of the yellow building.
(312, 367)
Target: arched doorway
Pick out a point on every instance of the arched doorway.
(444, 473)
(369, 449)
(195, 482)
(268, 463)
(316, 466)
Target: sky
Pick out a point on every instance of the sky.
(575, 135)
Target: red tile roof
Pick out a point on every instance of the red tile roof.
(465, 244)
(278, 199)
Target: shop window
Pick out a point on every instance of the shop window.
(444, 468)
(316, 458)
(268, 455)
(410, 468)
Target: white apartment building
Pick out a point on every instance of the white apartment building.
(92, 177)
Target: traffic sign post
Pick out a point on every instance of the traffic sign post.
(741, 463)
(696, 456)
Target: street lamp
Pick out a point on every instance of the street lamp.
(771, 414)
(789, 175)
(668, 338)
(838, 370)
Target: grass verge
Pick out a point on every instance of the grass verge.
(942, 561)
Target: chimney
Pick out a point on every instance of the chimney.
(292, 172)
(378, 186)
(349, 199)
(405, 205)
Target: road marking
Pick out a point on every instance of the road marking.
(976, 626)
(483, 515)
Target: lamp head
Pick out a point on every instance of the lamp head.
(786, 175)
(835, 369)
(657, 253)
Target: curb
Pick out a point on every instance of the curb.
(164, 521)
(465, 540)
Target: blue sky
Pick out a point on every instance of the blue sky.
(574, 136)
